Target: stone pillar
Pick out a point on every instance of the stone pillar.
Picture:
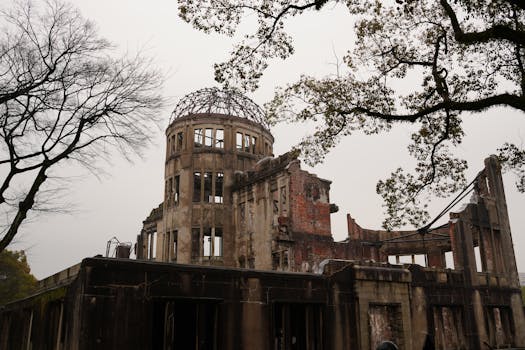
(480, 337)
(518, 318)
(255, 325)
(419, 317)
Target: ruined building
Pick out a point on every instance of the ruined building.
(240, 255)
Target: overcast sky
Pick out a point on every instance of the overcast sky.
(115, 203)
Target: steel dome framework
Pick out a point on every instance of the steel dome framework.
(217, 101)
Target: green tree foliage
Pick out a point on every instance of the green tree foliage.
(468, 56)
(64, 97)
(16, 280)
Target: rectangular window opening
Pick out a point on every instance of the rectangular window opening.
(297, 326)
(217, 242)
(198, 137)
(186, 324)
(219, 182)
(180, 139)
(238, 141)
(449, 260)
(219, 138)
(405, 259)
(208, 137)
(196, 187)
(152, 245)
(206, 241)
(175, 236)
(254, 142)
(176, 194)
(207, 187)
(246, 143)
(477, 256)
(420, 259)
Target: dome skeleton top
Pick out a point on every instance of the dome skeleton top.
(216, 101)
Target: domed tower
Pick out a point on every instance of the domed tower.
(212, 133)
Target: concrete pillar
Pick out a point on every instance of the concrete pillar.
(255, 326)
(419, 317)
(497, 193)
(519, 319)
(480, 337)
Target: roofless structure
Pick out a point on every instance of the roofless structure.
(240, 255)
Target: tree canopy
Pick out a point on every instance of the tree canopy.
(16, 280)
(468, 56)
(64, 97)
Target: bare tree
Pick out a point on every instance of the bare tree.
(468, 56)
(64, 98)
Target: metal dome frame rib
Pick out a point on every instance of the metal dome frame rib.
(216, 101)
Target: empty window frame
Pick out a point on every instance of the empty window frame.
(297, 326)
(217, 242)
(219, 183)
(238, 141)
(247, 147)
(152, 249)
(207, 242)
(208, 176)
(173, 245)
(198, 137)
(219, 138)
(212, 185)
(180, 141)
(449, 260)
(187, 324)
(477, 256)
(196, 187)
(280, 260)
(253, 144)
(212, 242)
(176, 192)
(208, 137)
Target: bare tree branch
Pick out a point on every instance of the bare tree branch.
(63, 98)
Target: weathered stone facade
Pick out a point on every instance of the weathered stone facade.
(279, 280)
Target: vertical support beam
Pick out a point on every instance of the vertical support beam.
(518, 318)
(480, 337)
(497, 193)
(29, 331)
(255, 326)
(59, 332)
(420, 326)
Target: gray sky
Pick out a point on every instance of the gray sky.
(116, 203)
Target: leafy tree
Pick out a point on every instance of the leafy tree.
(468, 56)
(64, 98)
(16, 280)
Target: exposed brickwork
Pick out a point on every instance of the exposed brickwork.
(309, 202)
